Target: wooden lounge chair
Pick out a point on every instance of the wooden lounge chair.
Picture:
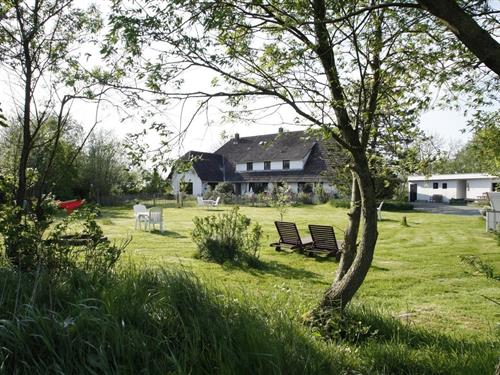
(324, 241)
(290, 237)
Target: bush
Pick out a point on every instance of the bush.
(227, 237)
(33, 242)
(397, 206)
(340, 203)
(388, 205)
(304, 198)
(224, 190)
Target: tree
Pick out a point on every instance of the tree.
(281, 199)
(480, 154)
(103, 167)
(349, 76)
(37, 41)
(57, 177)
(459, 21)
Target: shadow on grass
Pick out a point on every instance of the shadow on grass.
(391, 346)
(167, 233)
(389, 221)
(117, 213)
(277, 269)
(377, 268)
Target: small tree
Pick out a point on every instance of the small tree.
(281, 199)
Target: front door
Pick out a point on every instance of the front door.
(413, 192)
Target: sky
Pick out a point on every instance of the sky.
(204, 134)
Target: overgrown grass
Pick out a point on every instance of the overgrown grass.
(161, 321)
(145, 321)
(420, 310)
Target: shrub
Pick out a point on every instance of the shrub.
(304, 198)
(479, 266)
(320, 196)
(281, 199)
(32, 242)
(224, 190)
(227, 237)
(340, 203)
(397, 206)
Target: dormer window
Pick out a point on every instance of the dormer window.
(286, 164)
(267, 165)
(250, 166)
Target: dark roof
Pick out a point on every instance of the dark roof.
(312, 172)
(278, 146)
(221, 165)
(209, 167)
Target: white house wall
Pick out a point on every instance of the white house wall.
(476, 188)
(425, 190)
(458, 189)
(275, 165)
(189, 176)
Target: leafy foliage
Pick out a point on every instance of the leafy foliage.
(75, 242)
(227, 237)
(281, 199)
(479, 266)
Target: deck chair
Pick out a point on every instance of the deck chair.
(141, 214)
(324, 241)
(155, 217)
(379, 211)
(290, 237)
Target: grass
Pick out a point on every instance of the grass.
(416, 274)
(420, 310)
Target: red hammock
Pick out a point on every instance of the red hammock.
(69, 206)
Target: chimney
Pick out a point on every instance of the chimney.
(280, 130)
(236, 138)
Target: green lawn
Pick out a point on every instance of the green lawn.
(416, 274)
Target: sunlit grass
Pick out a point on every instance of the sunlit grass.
(416, 273)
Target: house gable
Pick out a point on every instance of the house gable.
(266, 154)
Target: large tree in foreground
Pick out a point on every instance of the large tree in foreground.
(354, 75)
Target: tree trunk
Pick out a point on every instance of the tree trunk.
(351, 233)
(25, 150)
(467, 30)
(342, 291)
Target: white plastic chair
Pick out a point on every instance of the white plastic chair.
(201, 202)
(213, 203)
(155, 217)
(379, 211)
(140, 213)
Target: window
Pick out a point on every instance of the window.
(249, 166)
(267, 165)
(258, 187)
(187, 188)
(445, 185)
(286, 164)
(435, 185)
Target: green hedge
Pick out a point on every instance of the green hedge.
(397, 206)
(388, 205)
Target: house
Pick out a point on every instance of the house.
(257, 164)
(470, 186)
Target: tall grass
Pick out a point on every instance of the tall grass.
(153, 322)
(164, 321)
